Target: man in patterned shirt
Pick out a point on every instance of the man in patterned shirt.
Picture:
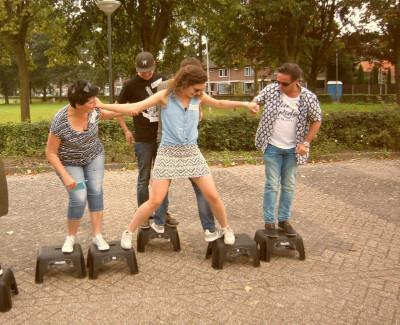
(290, 120)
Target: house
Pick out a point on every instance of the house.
(240, 81)
(236, 81)
(384, 66)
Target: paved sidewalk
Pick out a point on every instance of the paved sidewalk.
(347, 212)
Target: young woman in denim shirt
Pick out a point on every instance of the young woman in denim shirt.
(178, 155)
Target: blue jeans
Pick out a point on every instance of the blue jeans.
(280, 169)
(145, 155)
(205, 212)
(90, 187)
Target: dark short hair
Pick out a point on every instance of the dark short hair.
(80, 92)
(291, 69)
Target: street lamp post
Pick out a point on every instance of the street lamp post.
(208, 67)
(108, 7)
(337, 75)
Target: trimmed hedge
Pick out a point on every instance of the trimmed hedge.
(325, 98)
(365, 98)
(345, 130)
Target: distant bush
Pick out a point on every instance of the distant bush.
(325, 98)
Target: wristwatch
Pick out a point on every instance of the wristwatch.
(306, 144)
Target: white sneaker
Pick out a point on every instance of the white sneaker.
(101, 244)
(68, 246)
(159, 229)
(126, 240)
(211, 236)
(229, 236)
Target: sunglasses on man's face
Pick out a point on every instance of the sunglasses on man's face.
(197, 90)
(283, 83)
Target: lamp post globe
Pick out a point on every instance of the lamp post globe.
(108, 6)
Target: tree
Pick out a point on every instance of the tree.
(386, 13)
(8, 80)
(17, 19)
(321, 40)
(136, 25)
(227, 46)
(8, 72)
(41, 75)
(360, 75)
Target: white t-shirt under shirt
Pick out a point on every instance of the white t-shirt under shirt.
(284, 133)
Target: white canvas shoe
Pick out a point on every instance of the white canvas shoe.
(229, 236)
(126, 240)
(101, 244)
(68, 246)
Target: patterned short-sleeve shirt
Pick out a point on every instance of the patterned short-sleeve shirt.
(271, 98)
(77, 148)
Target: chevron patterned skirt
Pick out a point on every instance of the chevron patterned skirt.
(179, 161)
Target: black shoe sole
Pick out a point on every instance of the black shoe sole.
(171, 225)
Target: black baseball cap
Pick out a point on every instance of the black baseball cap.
(145, 62)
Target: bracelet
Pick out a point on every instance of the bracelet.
(246, 104)
(306, 144)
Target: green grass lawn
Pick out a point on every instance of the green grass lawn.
(46, 111)
(39, 112)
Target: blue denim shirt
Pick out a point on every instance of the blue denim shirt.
(179, 124)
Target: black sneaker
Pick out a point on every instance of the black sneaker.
(172, 222)
(287, 228)
(271, 231)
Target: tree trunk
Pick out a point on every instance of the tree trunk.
(397, 73)
(200, 47)
(312, 78)
(6, 98)
(60, 87)
(45, 94)
(23, 75)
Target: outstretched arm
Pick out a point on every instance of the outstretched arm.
(208, 100)
(107, 115)
(135, 108)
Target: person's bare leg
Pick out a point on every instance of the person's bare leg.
(96, 218)
(73, 225)
(158, 191)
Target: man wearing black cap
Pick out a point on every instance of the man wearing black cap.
(138, 88)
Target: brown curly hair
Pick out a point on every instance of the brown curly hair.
(187, 76)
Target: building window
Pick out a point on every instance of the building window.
(223, 72)
(223, 89)
(248, 72)
(247, 88)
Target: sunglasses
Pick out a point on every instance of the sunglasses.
(197, 90)
(282, 83)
